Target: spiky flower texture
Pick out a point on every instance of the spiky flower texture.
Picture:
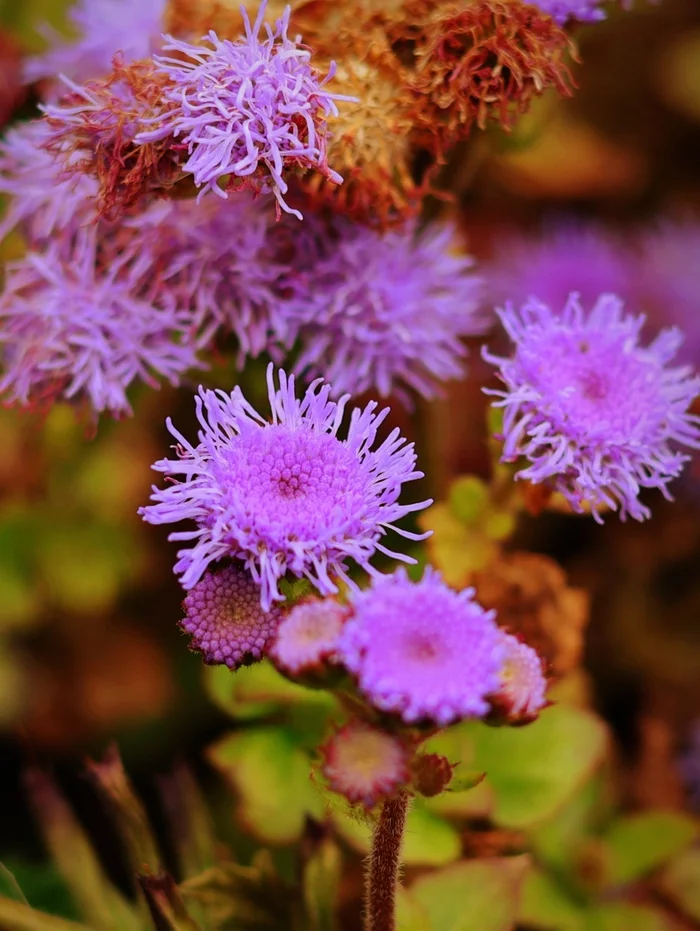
(224, 618)
(288, 496)
(245, 111)
(595, 414)
(422, 650)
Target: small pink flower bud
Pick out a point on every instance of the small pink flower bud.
(522, 693)
(365, 764)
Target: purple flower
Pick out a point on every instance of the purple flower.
(689, 766)
(386, 312)
(307, 637)
(562, 11)
(45, 196)
(669, 281)
(104, 27)
(568, 257)
(597, 415)
(422, 650)
(287, 496)
(85, 319)
(228, 266)
(224, 618)
(246, 110)
(522, 692)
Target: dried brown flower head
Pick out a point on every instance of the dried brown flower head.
(94, 129)
(533, 600)
(191, 19)
(482, 61)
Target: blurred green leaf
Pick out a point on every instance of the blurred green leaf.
(322, 875)
(429, 840)
(619, 916)
(189, 820)
(168, 911)
(272, 777)
(545, 905)
(468, 498)
(474, 895)
(16, 916)
(536, 769)
(680, 881)
(637, 844)
(259, 690)
(410, 914)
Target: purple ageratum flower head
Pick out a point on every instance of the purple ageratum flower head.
(386, 312)
(522, 692)
(104, 27)
(288, 496)
(596, 415)
(422, 650)
(564, 11)
(307, 637)
(566, 257)
(228, 268)
(246, 110)
(225, 620)
(45, 196)
(81, 321)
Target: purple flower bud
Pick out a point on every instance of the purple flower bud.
(307, 637)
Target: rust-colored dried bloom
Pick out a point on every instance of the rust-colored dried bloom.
(365, 764)
(533, 600)
(483, 61)
(190, 19)
(371, 141)
(98, 121)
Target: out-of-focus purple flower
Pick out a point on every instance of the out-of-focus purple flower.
(689, 766)
(597, 415)
(668, 279)
(229, 267)
(308, 635)
(45, 196)
(247, 110)
(386, 311)
(103, 28)
(567, 257)
(287, 496)
(224, 618)
(522, 691)
(422, 650)
(563, 11)
(86, 318)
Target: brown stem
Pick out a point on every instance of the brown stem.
(383, 870)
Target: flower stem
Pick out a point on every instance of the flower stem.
(383, 870)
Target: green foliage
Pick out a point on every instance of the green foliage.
(680, 882)
(321, 885)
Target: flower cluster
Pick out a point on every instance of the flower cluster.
(288, 496)
(246, 111)
(596, 415)
(564, 11)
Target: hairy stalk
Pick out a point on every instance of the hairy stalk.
(383, 868)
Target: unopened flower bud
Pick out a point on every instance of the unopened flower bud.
(307, 637)
(365, 764)
(522, 693)
(432, 773)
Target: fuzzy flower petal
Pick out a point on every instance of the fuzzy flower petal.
(104, 27)
(45, 196)
(287, 496)
(80, 323)
(224, 618)
(422, 650)
(597, 415)
(522, 692)
(246, 111)
(308, 635)
(386, 312)
(364, 763)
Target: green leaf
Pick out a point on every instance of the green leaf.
(474, 895)
(544, 905)
(429, 840)
(322, 874)
(410, 914)
(16, 916)
(272, 777)
(468, 498)
(259, 690)
(638, 844)
(619, 916)
(680, 881)
(534, 770)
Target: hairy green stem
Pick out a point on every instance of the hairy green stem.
(383, 868)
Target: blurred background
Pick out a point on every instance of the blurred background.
(89, 648)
